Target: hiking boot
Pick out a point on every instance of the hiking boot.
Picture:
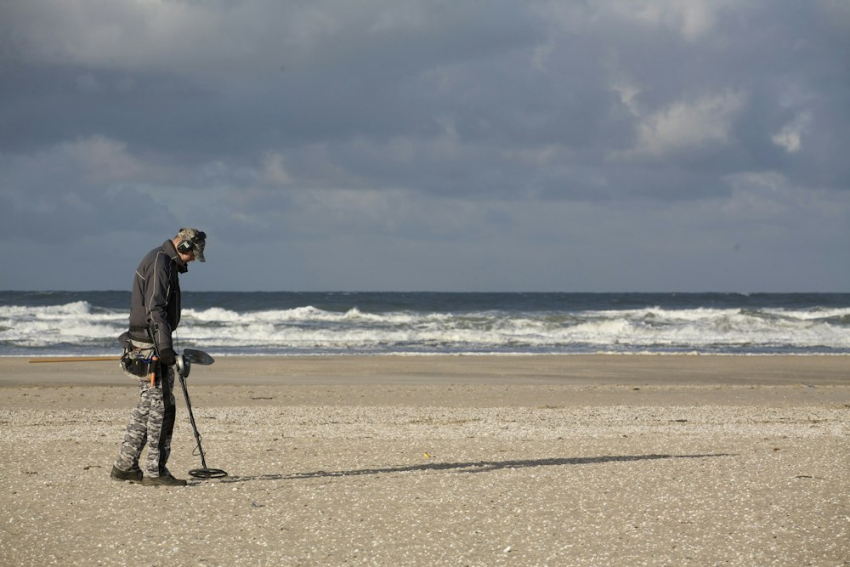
(132, 476)
(165, 480)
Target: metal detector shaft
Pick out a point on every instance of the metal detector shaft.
(192, 420)
(204, 471)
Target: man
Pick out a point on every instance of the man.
(154, 315)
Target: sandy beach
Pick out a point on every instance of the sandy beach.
(445, 460)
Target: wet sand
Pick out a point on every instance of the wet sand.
(570, 460)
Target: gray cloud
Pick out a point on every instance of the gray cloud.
(432, 145)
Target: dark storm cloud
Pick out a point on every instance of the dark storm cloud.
(424, 122)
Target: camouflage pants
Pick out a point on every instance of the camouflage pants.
(151, 423)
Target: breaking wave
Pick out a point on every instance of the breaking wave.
(81, 327)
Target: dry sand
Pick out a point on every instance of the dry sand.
(572, 460)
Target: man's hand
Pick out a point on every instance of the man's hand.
(167, 356)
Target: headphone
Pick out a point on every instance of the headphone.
(187, 246)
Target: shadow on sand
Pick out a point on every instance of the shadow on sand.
(471, 467)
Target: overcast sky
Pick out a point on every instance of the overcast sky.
(458, 145)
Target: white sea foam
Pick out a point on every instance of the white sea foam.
(77, 326)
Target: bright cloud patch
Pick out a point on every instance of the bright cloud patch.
(685, 125)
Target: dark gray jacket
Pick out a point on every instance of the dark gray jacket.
(156, 296)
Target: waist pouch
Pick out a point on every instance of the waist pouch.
(136, 359)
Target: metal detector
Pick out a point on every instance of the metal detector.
(184, 364)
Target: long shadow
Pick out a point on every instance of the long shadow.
(470, 467)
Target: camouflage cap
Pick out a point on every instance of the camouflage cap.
(197, 238)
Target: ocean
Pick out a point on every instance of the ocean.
(63, 323)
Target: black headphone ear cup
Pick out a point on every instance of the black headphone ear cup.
(185, 247)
